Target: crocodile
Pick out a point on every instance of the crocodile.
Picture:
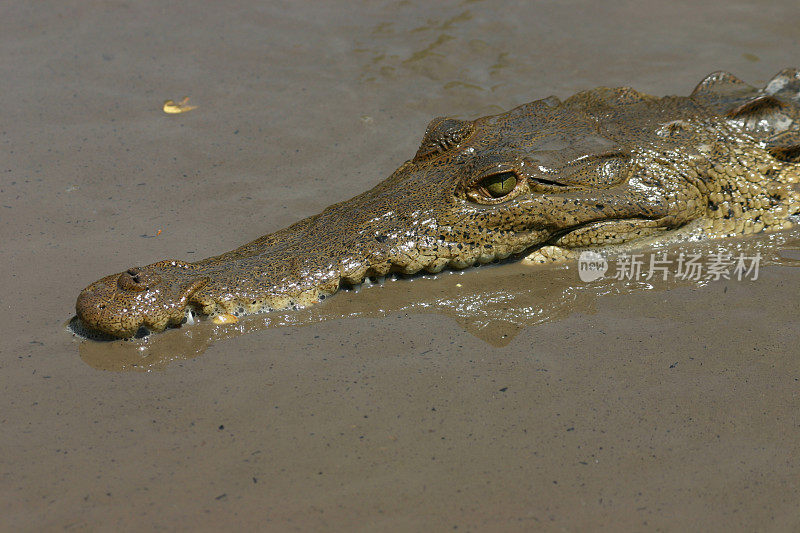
(605, 167)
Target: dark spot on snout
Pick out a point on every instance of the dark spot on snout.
(381, 238)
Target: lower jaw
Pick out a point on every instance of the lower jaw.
(584, 236)
(252, 305)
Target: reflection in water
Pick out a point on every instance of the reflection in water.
(493, 303)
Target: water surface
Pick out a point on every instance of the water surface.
(521, 399)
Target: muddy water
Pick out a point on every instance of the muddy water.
(506, 398)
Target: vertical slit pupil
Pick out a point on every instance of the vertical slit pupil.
(498, 185)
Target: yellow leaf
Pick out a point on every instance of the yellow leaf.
(170, 107)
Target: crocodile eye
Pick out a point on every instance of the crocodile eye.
(499, 185)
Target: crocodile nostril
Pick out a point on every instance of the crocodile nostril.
(134, 273)
(137, 280)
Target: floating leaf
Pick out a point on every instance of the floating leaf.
(170, 107)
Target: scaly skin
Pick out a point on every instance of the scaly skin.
(605, 166)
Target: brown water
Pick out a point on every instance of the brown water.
(511, 397)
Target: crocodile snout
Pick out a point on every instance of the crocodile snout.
(96, 304)
(153, 297)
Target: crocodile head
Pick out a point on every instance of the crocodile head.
(605, 166)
